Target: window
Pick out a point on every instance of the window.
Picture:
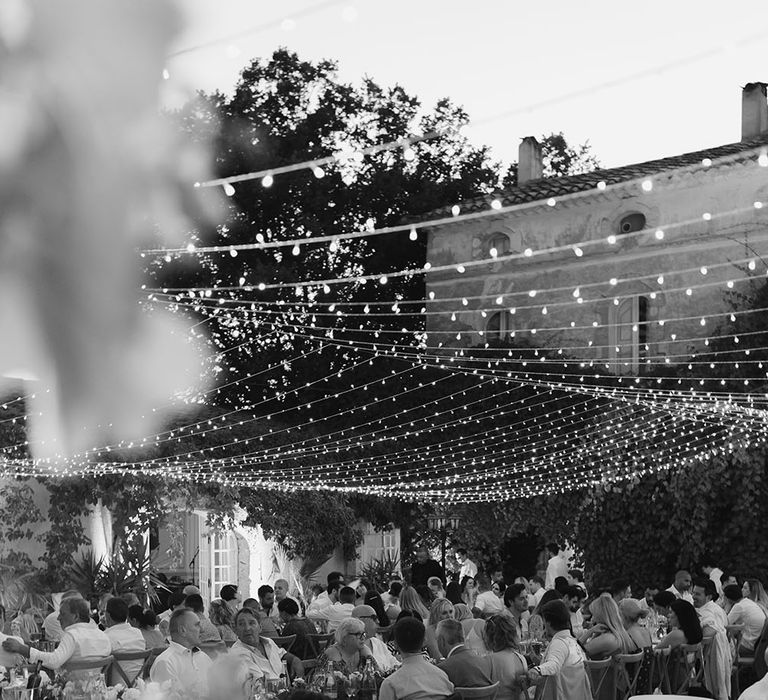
(500, 243)
(629, 334)
(384, 544)
(223, 561)
(632, 222)
(498, 326)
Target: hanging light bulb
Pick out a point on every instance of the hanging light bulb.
(318, 172)
(229, 190)
(413, 235)
(267, 181)
(296, 250)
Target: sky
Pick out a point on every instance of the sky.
(637, 80)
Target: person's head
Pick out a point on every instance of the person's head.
(411, 601)
(441, 609)
(682, 581)
(176, 600)
(72, 611)
(553, 548)
(556, 616)
(266, 596)
(548, 597)
(620, 589)
(498, 588)
(333, 589)
(561, 585)
(135, 613)
(500, 632)
(753, 589)
(195, 603)
(707, 565)
(536, 583)
(733, 593)
(684, 616)
(704, 591)
(131, 599)
(362, 587)
(229, 594)
(190, 590)
(409, 635)
(662, 600)
(516, 599)
(335, 576)
(574, 595)
(425, 594)
(281, 589)
(483, 583)
(373, 599)
(184, 627)
(347, 595)
(498, 576)
(577, 575)
(605, 611)
(248, 626)
(461, 555)
(453, 592)
(631, 611)
(468, 585)
(394, 588)
(116, 612)
(450, 634)
(728, 580)
(103, 600)
(252, 604)
(435, 585)
(650, 591)
(422, 555)
(350, 634)
(462, 612)
(367, 615)
(148, 620)
(288, 609)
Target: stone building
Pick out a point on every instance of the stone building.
(625, 267)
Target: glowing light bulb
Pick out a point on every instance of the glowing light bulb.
(659, 234)
(706, 162)
(499, 300)
(551, 201)
(494, 253)
(751, 265)
(190, 247)
(544, 310)
(460, 269)
(763, 159)
(532, 293)
(233, 252)
(427, 265)
(660, 279)
(578, 251)
(229, 190)
(729, 284)
(647, 185)
(334, 246)
(758, 205)
(296, 250)
(601, 185)
(166, 74)
(576, 292)
(409, 154)
(413, 235)
(262, 286)
(267, 181)
(326, 288)
(688, 291)
(528, 252)
(703, 270)
(383, 279)
(495, 204)
(318, 172)
(455, 209)
(613, 281)
(611, 240)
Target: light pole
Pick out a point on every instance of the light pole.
(442, 521)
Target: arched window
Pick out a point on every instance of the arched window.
(631, 223)
(498, 326)
(629, 335)
(499, 242)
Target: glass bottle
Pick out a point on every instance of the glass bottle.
(330, 687)
(368, 687)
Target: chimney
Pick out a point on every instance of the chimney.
(754, 111)
(529, 160)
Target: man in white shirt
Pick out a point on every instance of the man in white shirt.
(646, 603)
(323, 600)
(183, 663)
(175, 602)
(717, 671)
(123, 637)
(7, 659)
(81, 638)
(556, 566)
(681, 588)
(487, 602)
(537, 591)
(714, 573)
(262, 657)
(574, 597)
(338, 610)
(747, 614)
(468, 567)
(516, 603)
(51, 625)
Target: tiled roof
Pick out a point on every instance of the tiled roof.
(544, 188)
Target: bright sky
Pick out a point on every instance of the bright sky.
(507, 56)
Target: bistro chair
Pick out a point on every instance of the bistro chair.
(318, 642)
(691, 667)
(285, 642)
(628, 667)
(486, 692)
(740, 663)
(153, 654)
(214, 649)
(598, 671)
(118, 670)
(91, 663)
(660, 670)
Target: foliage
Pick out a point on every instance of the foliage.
(17, 512)
(380, 570)
(21, 586)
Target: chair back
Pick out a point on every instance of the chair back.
(153, 654)
(285, 642)
(214, 649)
(318, 642)
(598, 671)
(486, 692)
(661, 668)
(760, 666)
(91, 663)
(628, 667)
(117, 669)
(691, 659)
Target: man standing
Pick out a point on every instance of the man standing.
(717, 669)
(123, 637)
(556, 566)
(425, 568)
(183, 663)
(468, 567)
(263, 658)
(81, 638)
(747, 613)
(516, 602)
(681, 588)
(464, 668)
(574, 596)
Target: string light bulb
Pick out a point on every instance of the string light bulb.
(267, 181)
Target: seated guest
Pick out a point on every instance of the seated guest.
(322, 600)
(8, 659)
(410, 601)
(416, 679)
(134, 615)
(651, 620)
(123, 637)
(222, 611)
(51, 626)
(281, 593)
(435, 585)
(754, 590)
(516, 603)
(300, 626)
(536, 591)
(607, 635)
(453, 592)
(631, 614)
(183, 663)
(573, 598)
(468, 592)
(190, 589)
(341, 607)
(717, 665)
(464, 668)
(373, 599)
(267, 601)
(81, 638)
(684, 625)
(440, 609)
(268, 627)
(749, 615)
(425, 593)
(620, 589)
(175, 602)
(562, 671)
(348, 653)
(382, 656)
(487, 602)
(153, 637)
(263, 658)
(473, 628)
(561, 585)
(392, 600)
(536, 626)
(498, 588)
(662, 602)
(508, 665)
(208, 632)
(577, 579)
(681, 588)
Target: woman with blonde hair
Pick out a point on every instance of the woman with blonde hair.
(468, 591)
(607, 636)
(441, 609)
(508, 664)
(348, 653)
(410, 601)
(754, 590)
(473, 629)
(435, 585)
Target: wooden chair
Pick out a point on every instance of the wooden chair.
(229, 643)
(91, 663)
(660, 668)
(691, 665)
(118, 670)
(318, 642)
(153, 654)
(598, 672)
(214, 649)
(285, 642)
(740, 663)
(628, 667)
(486, 692)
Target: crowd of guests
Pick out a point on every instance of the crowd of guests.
(425, 637)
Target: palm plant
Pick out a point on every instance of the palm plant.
(380, 570)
